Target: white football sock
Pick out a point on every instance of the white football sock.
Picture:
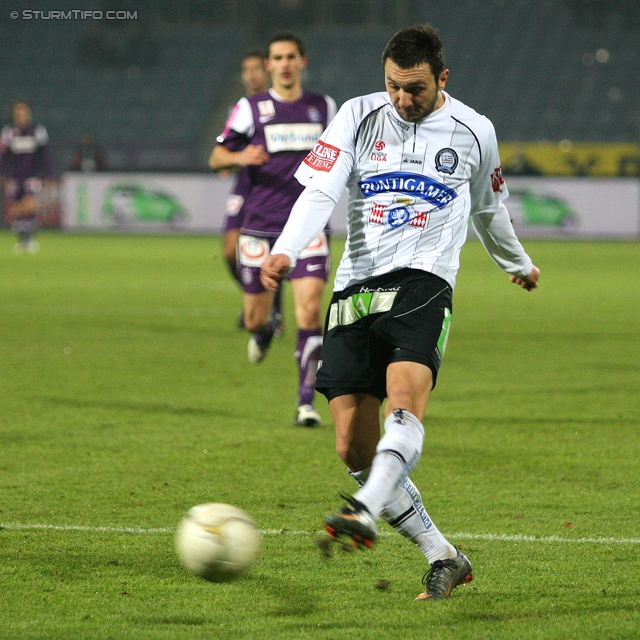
(396, 456)
(407, 515)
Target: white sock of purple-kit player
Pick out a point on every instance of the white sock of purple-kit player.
(407, 515)
(307, 355)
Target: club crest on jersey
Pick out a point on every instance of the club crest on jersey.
(397, 215)
(446, 160)
(409, 184)
(313, 115)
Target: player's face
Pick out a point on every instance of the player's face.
(285, 64)
(254, 76)
(21, 114)
(415, 93)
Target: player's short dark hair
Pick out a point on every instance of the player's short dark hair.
(411, 47)
(254, 53)
(287, 37)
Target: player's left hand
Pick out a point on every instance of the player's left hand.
(274, 268)
(527, 282)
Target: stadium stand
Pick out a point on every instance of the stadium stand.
(541, 70)
(529, 66)
(165, 107)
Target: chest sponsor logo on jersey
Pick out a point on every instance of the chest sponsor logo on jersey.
(300, 136)
(322, 157)
(266, 110)
(403, 125)
(23, 144)
(497, 180)
(446, 161)
(410, 184)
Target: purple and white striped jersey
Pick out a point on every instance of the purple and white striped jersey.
(288, 131)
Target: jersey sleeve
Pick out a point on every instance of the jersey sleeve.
(41, 135)
(239, 127)
(487, 187)
(5, 139)
(328, 165)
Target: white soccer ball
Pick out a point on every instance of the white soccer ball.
(217, 542)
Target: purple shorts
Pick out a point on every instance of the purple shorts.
(314, 261)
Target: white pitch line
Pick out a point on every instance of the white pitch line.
(499, 537)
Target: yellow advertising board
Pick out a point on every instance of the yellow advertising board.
(566, 158)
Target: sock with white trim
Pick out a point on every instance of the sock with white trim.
(307, 356)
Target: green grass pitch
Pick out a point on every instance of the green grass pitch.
(126, 398)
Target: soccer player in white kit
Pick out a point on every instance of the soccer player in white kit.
(417, 164)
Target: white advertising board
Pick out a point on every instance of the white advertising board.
(153, 202)
(144, 202)
(195, 203)
(574, 207)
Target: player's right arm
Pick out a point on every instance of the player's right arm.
(224, 158)
(234, 148)
(5, 149)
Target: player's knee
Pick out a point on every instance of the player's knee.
(230, 255)
(308, 314)
(404, 435)
(253, 324)
(230, 248)
(255, 320)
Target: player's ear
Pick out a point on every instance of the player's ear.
(304, 62)
(442, 81)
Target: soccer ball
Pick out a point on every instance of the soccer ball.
(217, 542)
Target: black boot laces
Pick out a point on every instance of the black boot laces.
(437, 578)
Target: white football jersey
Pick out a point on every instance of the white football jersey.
(412, 186)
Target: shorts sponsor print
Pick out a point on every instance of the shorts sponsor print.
(400, 316)
(314, 261)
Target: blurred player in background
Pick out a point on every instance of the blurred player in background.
(24, 160)
(270, 134)
(417, 164)
(255, 79)
(89, 155)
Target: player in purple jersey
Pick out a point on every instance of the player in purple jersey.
(255, 79)
(24, 160)
(270, 134)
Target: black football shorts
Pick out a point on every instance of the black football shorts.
(400, 316)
